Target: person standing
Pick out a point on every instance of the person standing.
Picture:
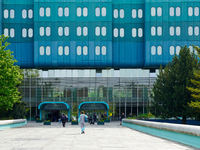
(63, 119)
(82, 119)
(122, 116)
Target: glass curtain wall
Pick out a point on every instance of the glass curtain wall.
(129, 95)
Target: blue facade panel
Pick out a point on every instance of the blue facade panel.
(99, 34)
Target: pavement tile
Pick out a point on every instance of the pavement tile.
(111, 136)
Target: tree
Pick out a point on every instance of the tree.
(170, 94)
(10, 77)
(29, 73)
(195, 88)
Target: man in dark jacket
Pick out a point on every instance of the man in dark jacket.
(63, 119)
(122, 116)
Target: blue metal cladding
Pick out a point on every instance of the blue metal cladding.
(14, 23)
(168, 26)
(99, 33)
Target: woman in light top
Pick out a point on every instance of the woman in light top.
(82, 119)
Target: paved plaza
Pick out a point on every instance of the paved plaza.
(111, 136)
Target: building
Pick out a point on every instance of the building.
(125, 90)
(60, 34)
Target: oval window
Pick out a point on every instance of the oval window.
(103, 31)
(190, 11)
(103, 11)
(41, 50)
(79, 31)
(115, 32)
(115, 13)
(153, 50)
(12, 14)
(153, 31)
(66, 11)
(48, 12)
(48, 50)
(24, 13)
(60, 31)
(196, 31)
(153, 11)
(97, 11)
(60, 11)
(171, 11)
(178, 48)
(41, 31)
(85, 31)
(159, 11)
(60, 50)
(159, 50)
(5, 32)
(103, 50)
(159, 31)
(24, 32)
(121, 13)
(178, 11)
(66, 50)
(178, 31)
(134, 32)
(134, 13)
(78, 11)
(48, 31)
(190, 31)
(66, 31)
(121, 32)
(30, 32)
(171, 31)
(30, 13)
(85, 50)
(140, 32)
(41, 12)
(97, 50)
(12, 33)
(85, 11)
(78, 50)
(5, 13)
(140, 13)
(171, 50)
(97, 31)
(196, 11)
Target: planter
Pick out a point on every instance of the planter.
(74, 123)
(47, 123)
(100, 123)
(108, 121)
(39, 121)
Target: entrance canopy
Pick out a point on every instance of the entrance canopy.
(54, 106)
(93, 106)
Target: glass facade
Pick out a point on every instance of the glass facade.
(125, 90)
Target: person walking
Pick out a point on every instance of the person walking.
(63, 119)
(82, 119)
(122, 116)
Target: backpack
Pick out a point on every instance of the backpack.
(63, 118)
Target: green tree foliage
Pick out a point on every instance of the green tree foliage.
(10, 77)
(170, 92)
(195, 88)
(29, 72)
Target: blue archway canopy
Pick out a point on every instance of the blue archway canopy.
(93, 106)
(55, 104)
(45, 103)
(104, 103)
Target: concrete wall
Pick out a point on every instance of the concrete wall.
(6, 124)
(187, 129)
